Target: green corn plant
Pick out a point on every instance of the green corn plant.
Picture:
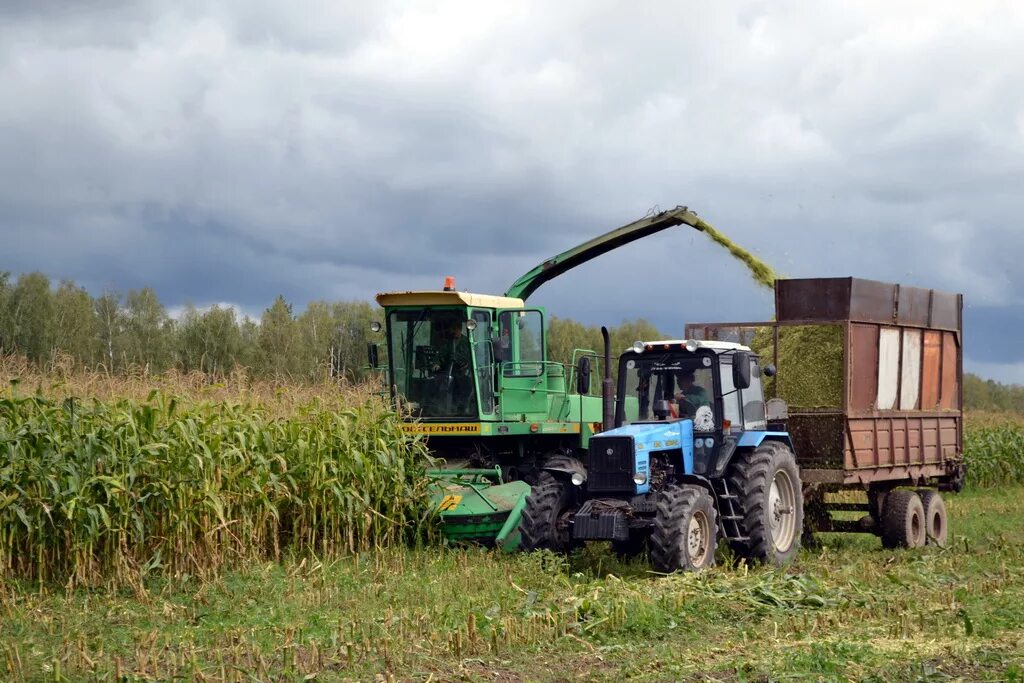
(102, 492)
(994, 454)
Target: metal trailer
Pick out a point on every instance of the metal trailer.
(898, 422)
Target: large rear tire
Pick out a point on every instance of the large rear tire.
(544, 523)
(767, 482)
(903, 521)
(685, 532)
(936, 522)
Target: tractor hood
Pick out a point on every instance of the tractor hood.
(652, 437)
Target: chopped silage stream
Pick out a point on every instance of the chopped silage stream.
(810, 358)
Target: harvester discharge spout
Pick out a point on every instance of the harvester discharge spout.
(578, 255)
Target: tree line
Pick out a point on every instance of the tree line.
(987, 394)
(116, 333)
(47, 322)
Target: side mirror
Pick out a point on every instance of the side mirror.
(741, 370)
(769, 370)
(583, 375)
(372, 354)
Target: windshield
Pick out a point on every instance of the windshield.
(667, 386)
(432, 362)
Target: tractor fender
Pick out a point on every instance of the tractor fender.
(747, 442)
(703, 482)
(562, 464)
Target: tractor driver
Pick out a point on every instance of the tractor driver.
(690, 395)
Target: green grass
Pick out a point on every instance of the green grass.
(848, 610)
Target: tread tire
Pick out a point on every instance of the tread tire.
(677, 506)
(751, 475)
(936, 520)
(548, 500)
(903, 522)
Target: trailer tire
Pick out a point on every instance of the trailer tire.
(903, 520)
(685, 532)
(771, 502)
(542, 525)
(936, 526)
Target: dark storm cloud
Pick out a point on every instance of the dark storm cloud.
(230, 151)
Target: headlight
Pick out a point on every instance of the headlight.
(640, 478)
(709, 442)
(578, 479)
(470, 324)
(375, 326)
(638, 347)
(691, 345)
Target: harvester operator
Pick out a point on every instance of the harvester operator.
(455, 362)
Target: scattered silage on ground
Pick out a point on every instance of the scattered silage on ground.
(99, 492)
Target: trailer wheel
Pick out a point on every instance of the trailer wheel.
(545, 518)
(935, 520)
(685, 532)
(771, 503)
(903, 521)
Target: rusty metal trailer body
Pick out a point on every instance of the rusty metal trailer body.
(897, 418)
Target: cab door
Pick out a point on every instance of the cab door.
(522, 363)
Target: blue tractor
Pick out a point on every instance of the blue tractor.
(687, 458)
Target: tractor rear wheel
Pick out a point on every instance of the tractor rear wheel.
(685, 532)
(545, 521)
(771, 502)
(903, 521)
(935, 519)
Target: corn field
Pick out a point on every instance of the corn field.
(108, 492)
(994, 453)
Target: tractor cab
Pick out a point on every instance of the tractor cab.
(694, 398)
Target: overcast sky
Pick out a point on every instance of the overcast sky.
(233, 151)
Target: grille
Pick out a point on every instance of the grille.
(610, 466)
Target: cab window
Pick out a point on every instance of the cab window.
(521, 331)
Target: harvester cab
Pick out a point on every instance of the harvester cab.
(690, 460)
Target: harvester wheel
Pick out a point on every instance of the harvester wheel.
(771, 501)
(935, 520)
(903, 521)
(545, 517)
(685, 530)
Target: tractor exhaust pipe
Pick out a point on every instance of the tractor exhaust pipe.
(607, 390)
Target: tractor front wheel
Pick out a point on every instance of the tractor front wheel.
(685, 530)
(545, 521)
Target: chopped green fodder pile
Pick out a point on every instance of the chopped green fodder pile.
(810, 361)
(810, 364)
(94, 492)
